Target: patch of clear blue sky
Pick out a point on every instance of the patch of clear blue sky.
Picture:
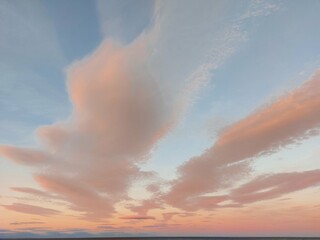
(77, 25)
(31, 87)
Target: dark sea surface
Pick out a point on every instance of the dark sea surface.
(178, 238)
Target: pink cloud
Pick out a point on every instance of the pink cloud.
(290, 119)
(119, 114)
(138, 217)
(203, 202)
(26, 156)
(26, 223)
(275, 185)
(30, 209)
(82, 197)
(146, 205)
(169, 215)
(33, 191)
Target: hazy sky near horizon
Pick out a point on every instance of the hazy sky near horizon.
(139, 118)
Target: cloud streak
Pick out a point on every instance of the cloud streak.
(26, 223)
(32, 191)
(30, 209)
(138, 217)
(26, 156)
(82, 197)
(290, 119)
(275, 185)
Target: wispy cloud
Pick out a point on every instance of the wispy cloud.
(30, 209)
(275, 185)
(138, 217)
(26, 223)
(82, 197)
(26, 156)
(32, 191)
(288, 120)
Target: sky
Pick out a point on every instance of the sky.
(159, 118)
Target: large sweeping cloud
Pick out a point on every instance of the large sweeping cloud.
(125, 99)
(119, 114)
(290, 119)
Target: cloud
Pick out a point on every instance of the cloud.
(203, 202)
(82, 197)
(26, 223)
(138, 217)
(169, 215)
(30, 209)
(143, 208)
(274, 185)
(33, 191)
(290, 119)
(119, 114)
(162, 225)
(125, 99)
(24, 156)
(106, 227)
